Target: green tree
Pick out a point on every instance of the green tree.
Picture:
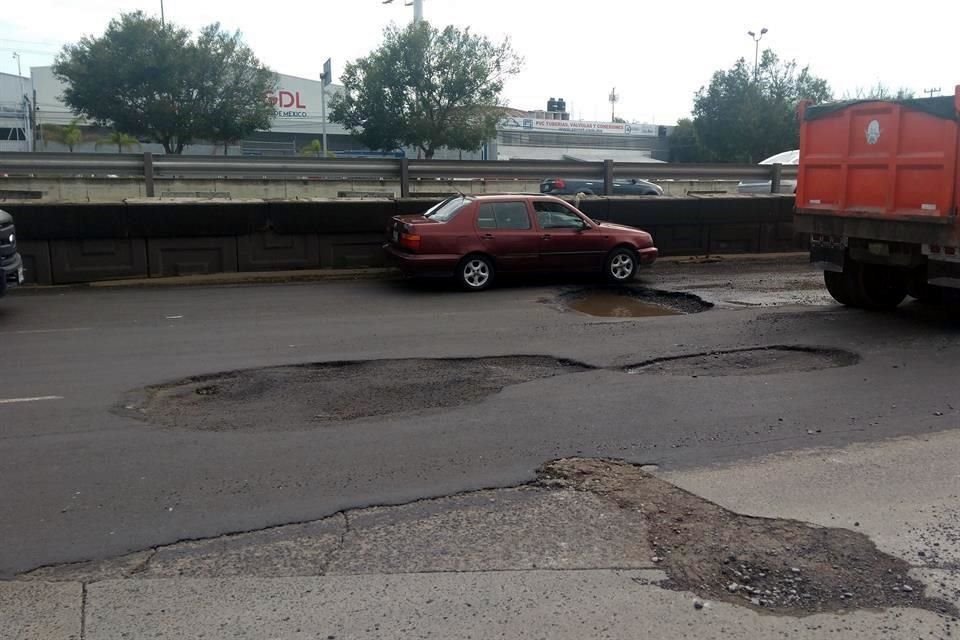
(740, 117)
(120, 140)
(154, 81)
(69, 134)
(427, 88)
(315, 149)
(231, 87)
(685, 145)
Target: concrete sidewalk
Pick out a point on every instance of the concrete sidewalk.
(535, 604)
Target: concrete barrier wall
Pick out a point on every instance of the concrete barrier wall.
(82, 242)
(119, 189)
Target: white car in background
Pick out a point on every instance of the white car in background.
(786, 186)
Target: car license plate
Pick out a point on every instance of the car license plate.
(20, 275)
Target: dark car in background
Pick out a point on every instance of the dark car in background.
(472, 238)
(573, 186)
(11, 266)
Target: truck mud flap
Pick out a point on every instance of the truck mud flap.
(827, 255)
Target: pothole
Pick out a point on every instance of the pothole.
(304, 396)
(631, 302)
(771, 564)
(752, 361)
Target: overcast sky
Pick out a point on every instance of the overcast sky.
(656, 54)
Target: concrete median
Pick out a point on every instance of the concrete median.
(64, 243)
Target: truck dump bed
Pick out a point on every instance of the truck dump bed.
(886, 160)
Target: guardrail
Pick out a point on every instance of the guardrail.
(151, 167)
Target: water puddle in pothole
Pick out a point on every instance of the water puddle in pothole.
(608, 304)
(631, 302)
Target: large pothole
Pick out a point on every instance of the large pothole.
(631, 302)
(753, 361)
(300, 396)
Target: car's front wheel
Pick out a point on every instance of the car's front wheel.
(621, 265)
(475, 273)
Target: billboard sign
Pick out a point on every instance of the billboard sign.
(578, 126)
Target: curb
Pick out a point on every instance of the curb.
(333, 275)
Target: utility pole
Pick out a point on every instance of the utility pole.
(162, 21)
(930, 92)
(326, 78)
(27, 132)
(756, 51)
(417, 9)
(614, 99)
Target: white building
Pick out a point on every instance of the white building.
(14, 113)
(297, 120)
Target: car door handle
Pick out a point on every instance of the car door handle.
(546, 237)
(487, 236)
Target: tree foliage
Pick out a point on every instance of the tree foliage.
(68, 134)
(685, 145)
(743, 116)
(119, 140)
(154, 81)
(427, 88)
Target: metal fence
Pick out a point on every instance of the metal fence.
(151, 167)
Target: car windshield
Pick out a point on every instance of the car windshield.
(446, 209)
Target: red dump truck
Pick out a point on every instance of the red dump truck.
(878, 191)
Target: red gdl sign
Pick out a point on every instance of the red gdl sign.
(286, 99)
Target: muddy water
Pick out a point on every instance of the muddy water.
(608, 304)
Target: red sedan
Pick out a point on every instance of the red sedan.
(475, 237)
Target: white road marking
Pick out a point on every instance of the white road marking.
(37, 399)
(174, 317)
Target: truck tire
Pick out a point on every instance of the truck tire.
(838, 287)
(881, 287)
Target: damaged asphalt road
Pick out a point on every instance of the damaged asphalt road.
(579, 514)
(83, 481)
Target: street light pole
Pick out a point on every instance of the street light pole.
(756, 51)
(162, 21)
(417, 9)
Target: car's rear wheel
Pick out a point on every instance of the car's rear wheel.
(621, 265)
(475, 273)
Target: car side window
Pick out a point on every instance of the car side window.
(553, 215)
(486, 218)
(511, 216)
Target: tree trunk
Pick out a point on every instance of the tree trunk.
(428, 154)
(225, 145)
(179, 150)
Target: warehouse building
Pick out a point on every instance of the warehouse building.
(297, 120)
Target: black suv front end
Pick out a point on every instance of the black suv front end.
(11, 265)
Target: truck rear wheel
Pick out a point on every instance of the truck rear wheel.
(881, 287)
(838, 287)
